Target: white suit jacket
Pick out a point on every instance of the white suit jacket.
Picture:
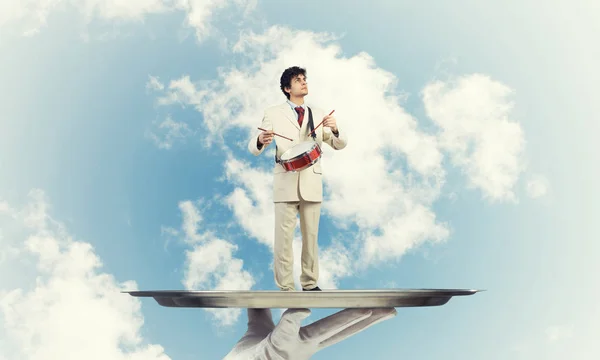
(282, 119)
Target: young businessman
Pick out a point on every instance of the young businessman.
(296, 193)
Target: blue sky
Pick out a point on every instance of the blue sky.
(126, 130)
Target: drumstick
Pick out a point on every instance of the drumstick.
(276, 134)
(315, 129)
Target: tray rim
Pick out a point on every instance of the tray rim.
(323, 293)
(364, 298)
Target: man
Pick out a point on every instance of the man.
(296, 192)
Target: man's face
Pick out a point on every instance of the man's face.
(299, 86)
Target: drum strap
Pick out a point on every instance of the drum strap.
(311, 126)
(276, 159)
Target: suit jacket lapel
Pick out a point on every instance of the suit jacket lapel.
(290, 114)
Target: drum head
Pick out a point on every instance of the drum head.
(298, 150)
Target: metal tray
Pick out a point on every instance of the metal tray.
(304, 299)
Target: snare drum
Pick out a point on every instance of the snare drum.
(301, 156)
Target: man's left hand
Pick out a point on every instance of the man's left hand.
(330, 123)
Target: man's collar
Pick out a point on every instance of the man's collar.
(295, 105)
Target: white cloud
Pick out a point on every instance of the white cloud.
(556, 333)
(199, 12)
(191, 221)
(537, 186)
(215, 259)
(154, 83)
(210, 263)
(252, 201)
(122, 9)
(28, 17)
(402, 233)
(8, 250)
(64, 306)
(169, 131)
(473, 114)
(4, 207)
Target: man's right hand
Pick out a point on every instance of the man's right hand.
(265, 137)
(290, 340)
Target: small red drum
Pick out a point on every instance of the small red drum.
(301, 156)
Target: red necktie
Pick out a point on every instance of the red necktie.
(300, 111)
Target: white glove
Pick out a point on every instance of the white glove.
(289, 341)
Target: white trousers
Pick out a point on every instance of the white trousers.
(286, 214)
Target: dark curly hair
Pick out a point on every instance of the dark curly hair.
(287, 76)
